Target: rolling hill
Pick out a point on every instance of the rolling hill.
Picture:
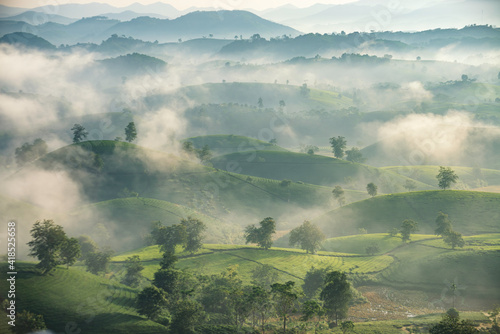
(471, 212)
(314, 169)
(224, 144)
(105, 170)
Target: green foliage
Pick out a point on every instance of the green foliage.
(48, 239)
(29, 152)
(259, 300)
(87, 246)
(194, 234)
(188, 314)
(454, 239)
(168, 261)
(347, 326)
(372, 249)
(262, 235)
(446, 177)
(264, 276)
(284, 297)
(444, 226)
(314, 281)
(70, 251)
(354, 155)
(407, 228)
(338, 146)
(285, 183)
(134, 268)
(27, 322)
(204, 154)
(170, 236)
(308, 236)
(168, 280)
(97, 261)
(151, 302)
(336, 295)
(79, 133)
(338, 194)
(410, 185)
(371, 188)
(130, 132)
(453, 325)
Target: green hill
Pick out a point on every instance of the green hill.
(106, 170)
(471, 212)
(468, 177)
(224, 144)
(71, 298)
(128, 221)
(314, 169)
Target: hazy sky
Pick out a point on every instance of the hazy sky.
(180, 4)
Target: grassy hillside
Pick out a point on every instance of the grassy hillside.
(467, 176)
(470, 212)
(224, 144)
(71, 298)
(127, 170)
(315, 169)
(128, 220)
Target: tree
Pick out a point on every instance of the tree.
(187, 316)
(284, 297)
(27, 322)
(79, 133)
(260, 103)
(168, 237)
(372, 249)
(446, 177)
(188, 147)
(264, 276)
(97, 262)
(308, 236)
(338, 146)
(168, 280)
(410, 185)
(338, 194)
(444, 226)
(354, 155)
(262, 236)
(371, 188)
(48, 238)
(70, 251)
(130, 132)
(30, 152)
(260, 304)
(168, 261)
(407, 228)
(314, 281)
(133, 276)
(304, 91)
(454, 239)
(204, 154)
(347, 326)
(285, 183)
(312, 309)
(194, 234)
(150, 302)
(336, 295)
(453, 325)
(87, 246)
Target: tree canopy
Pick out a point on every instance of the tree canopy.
(79, 133)
(262, 235)
(308, 236)
(446, 177)
(338, 146)
(336, 295)
(130, 132)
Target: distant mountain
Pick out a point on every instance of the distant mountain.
(36, 18)
(219, 24)
(130, 15)
(6, 11)
(133, 64)
(27, 40)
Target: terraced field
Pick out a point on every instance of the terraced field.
(79, 300)
(224, 144)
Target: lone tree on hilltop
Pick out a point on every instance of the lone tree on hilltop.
(79, 133)
(446, 177)
(308, 236)
(354, 155)
(338, 146)
(262, 235)
(130, 132)
(371, 188)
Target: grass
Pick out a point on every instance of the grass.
(313, 169)
(79, 300)
(357, 244)
(474, 242)
(471, 212)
